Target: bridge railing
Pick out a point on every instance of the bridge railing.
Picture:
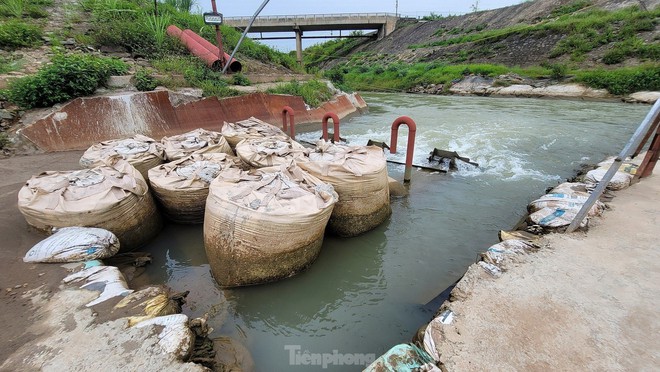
(310, 16)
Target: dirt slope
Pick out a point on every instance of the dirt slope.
(522, 51)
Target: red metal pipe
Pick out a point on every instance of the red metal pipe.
(234, 65)
(288, 110)
(194, 47)
(412, 129)
(335, 122)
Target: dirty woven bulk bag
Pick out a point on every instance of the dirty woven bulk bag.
(175, 336)
(619, 181)
(265, 224)
(268, 152)
(140, 151)
(565, 201)
(198, 141)
(249, 129)
(183, 185)
(74, 244)
(113, 198)
(359, 176)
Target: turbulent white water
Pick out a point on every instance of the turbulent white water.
(366, 294)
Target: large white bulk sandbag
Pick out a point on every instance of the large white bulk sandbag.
(619, 181)
(140, 151)
(197, 141)
(565, 201)
(359, 176)
(268, 152)
(175, 338)
(183, 185)
(74, 244)
(265, 224)
(113, 198)
(627, 166)
(249, 129)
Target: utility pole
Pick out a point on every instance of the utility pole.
(396, 8)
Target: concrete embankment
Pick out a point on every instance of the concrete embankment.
(86, 121)
(583, 301)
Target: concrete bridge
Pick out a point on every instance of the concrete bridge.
(382, 23)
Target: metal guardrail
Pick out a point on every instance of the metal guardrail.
(633, 144)
(310, 16)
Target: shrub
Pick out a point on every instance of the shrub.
(4, 140)
(144, 81)
(240, 79)
(16, 34)
(313, 92)
(623, 81)
(66, 77)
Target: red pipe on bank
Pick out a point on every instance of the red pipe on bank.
(234, 65)
(335, 125)
(412, 128)
(210, 57)
(288, 110)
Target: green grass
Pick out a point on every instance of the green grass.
(585, 30)
(313, 92)
(16, 34)
(8, 64)
(624, 80)
(67, 76)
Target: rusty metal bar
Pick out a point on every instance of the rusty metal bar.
(288, 110)
(218, 39)
(335, 125)
(648, 135)
(412, 129)
(632, 144)
(646, 168)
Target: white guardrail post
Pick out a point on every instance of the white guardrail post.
(630, 147)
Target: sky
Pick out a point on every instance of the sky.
(411, 8)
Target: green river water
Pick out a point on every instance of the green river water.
(366, 294)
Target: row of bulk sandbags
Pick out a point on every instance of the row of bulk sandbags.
(358, 173)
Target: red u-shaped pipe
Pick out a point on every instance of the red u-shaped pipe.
(288, 110)
(335, 125)
(412, 129)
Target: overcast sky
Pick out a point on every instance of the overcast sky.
(412, 8)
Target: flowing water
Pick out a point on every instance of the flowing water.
(366, 294)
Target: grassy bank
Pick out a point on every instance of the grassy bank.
(364, 75)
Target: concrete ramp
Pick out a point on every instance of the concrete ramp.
(85, 121)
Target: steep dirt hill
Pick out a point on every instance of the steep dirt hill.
(531, 49)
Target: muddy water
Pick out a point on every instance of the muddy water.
(366, 294)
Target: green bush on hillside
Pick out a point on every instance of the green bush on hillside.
(623, 81)
(313, 92)
(17, 34)
(67, 76)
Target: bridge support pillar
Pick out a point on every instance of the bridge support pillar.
(299, 33)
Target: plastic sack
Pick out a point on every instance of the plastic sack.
(565, 201)
(499, 254)
(113, 198)
(140, 151)
(402, 357)
(107, 279)
(555, 217)
(74, 244)
(150, 303)
(198, 141)
(268, 152)
(619, 181)
(572, 188)
(627, 166)
(183, 185)
(176, 338)
(264, 225)
(359, 176)
(249, 129)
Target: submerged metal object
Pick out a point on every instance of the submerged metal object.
(449, 157)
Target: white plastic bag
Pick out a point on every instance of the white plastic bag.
(176, 338)
(74, 244)
(107, 279)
